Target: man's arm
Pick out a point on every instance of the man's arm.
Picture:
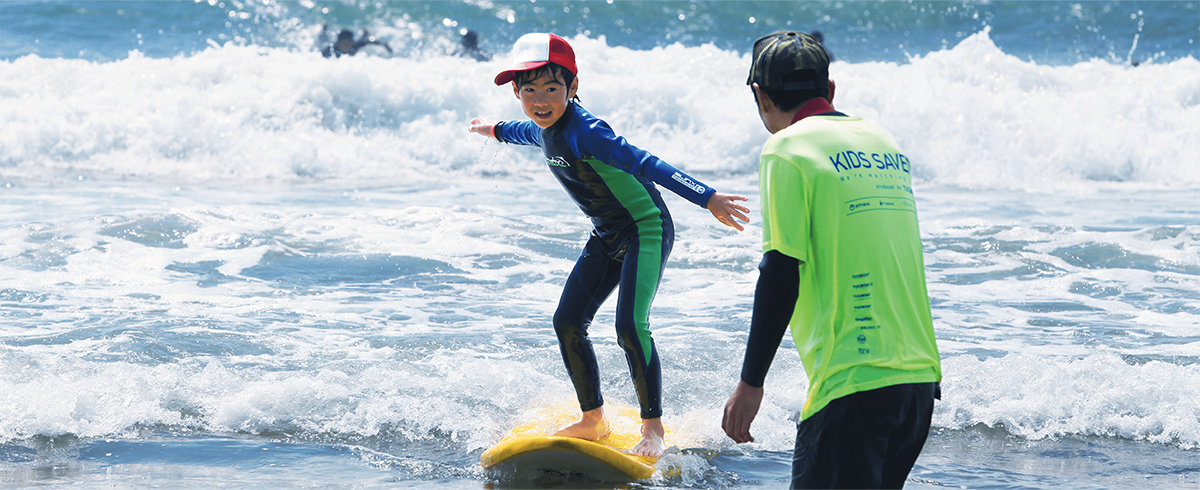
(774, 302)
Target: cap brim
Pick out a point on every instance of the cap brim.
(511, 73)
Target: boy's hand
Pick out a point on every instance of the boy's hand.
(484, 126)
(723, 207)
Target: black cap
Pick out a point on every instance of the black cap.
(789, 60)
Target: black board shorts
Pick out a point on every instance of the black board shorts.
(869, 439)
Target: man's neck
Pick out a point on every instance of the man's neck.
(814, 106)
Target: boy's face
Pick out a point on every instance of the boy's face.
(544, 98)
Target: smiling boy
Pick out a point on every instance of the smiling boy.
(613, 183)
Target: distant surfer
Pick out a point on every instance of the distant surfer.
(613, 183)
(469, 47)
(345, 44)
(843, 266)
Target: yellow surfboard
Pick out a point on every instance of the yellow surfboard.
(528, 449)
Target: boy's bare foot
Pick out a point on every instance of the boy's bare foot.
(592, 426)
(653, 442)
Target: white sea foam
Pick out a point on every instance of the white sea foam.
(971, 115)
(1100, 395)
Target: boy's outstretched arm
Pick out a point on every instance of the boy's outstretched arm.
(484, 126)
(725, 209)
(513, 132)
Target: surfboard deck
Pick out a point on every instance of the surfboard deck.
(528, 450)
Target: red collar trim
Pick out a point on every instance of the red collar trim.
(817, 105)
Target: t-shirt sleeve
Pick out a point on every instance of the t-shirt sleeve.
(785, 207)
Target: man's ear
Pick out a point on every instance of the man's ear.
(764, 103)
(574, 88)
(832, 89)
(516, 90)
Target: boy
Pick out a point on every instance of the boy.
(613, 184)
(843, 265)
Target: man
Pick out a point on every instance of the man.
(843, 266)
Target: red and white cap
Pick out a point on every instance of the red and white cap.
(533, 51)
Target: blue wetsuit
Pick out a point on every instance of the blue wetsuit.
(613, 183)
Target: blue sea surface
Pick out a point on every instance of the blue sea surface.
(1050, 32)
(226, 260)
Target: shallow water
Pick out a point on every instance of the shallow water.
(373, 339)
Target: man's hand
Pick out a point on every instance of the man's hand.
(740, 411)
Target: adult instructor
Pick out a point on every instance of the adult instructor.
(843, 267)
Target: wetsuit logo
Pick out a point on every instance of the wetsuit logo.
(689, 183)
(557, 161)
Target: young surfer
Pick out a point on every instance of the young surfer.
(613, 183)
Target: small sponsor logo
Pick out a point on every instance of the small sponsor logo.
(689, 183)
(557, 162)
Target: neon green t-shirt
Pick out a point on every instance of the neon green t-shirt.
(837, 195)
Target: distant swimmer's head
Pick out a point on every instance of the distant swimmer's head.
(792, 63)
(345, 42)
(537, 50)
(470, 40)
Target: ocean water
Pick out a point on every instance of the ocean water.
(226, 261)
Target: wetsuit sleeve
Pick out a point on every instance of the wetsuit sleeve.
(518, 133)
(774, 301)
(683, 184)
(598, 141)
